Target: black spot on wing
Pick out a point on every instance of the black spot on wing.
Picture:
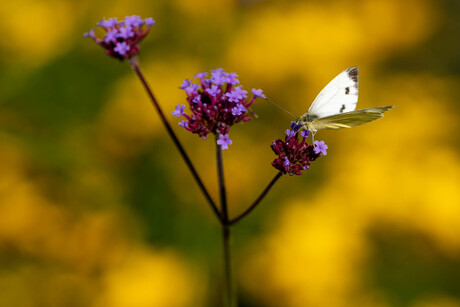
(347, 90)
(353, 73)
(342, 108)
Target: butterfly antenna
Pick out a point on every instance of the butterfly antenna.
(280, 107)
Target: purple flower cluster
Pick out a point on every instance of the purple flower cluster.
(216, 103)
(295, 155)
(123, 37)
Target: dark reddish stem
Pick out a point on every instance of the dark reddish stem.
(257, 201)
(229, 290)
(221, 181)
(176, 141)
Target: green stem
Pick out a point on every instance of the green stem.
(229, 292)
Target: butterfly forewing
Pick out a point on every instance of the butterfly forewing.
(334, 107)
(339, 96)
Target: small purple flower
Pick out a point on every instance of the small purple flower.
(90, 34)
(111, 22)
(183, 124)
(185, 83)
(218, 77)
(290, 133)
(236, 95)
(304, 133)
(286, 162)
(232, 96)
(179, 110)
(192, 88)
(149, 21)
(123, 37)
(111, 36)
(217, 72)
(134, 21)
(201, 75)
(231, 78)
(196, 99)
(240, 92)
(125, 32)
(257, 93)
(296, 127)
(213, 91)
(122, 48)
(224, 141)
(320, 147)
(238, 110)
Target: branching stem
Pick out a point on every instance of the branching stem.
(188, 162)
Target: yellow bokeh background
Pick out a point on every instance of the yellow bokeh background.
(98, 209)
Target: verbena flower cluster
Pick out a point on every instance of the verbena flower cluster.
(216, 104)
(123, 37)
(294, 154)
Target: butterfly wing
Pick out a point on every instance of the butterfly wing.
(349, 119)
(339, 96)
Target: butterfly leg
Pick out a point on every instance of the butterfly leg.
(313, 137)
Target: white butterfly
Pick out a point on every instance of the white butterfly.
(334, 107)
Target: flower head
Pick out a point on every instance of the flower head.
(216, 104)
(294, 154)
(122, 38)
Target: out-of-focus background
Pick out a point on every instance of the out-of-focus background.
(98, 209)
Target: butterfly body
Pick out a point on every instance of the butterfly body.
(334, 107)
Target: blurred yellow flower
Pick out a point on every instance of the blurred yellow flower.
(308, 260)
(408, 175)
(201, 8)
(68, 246)
(149, 278)
(315, 40)
(35, 31)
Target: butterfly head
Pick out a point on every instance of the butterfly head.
(297, 124)
(304, 122)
